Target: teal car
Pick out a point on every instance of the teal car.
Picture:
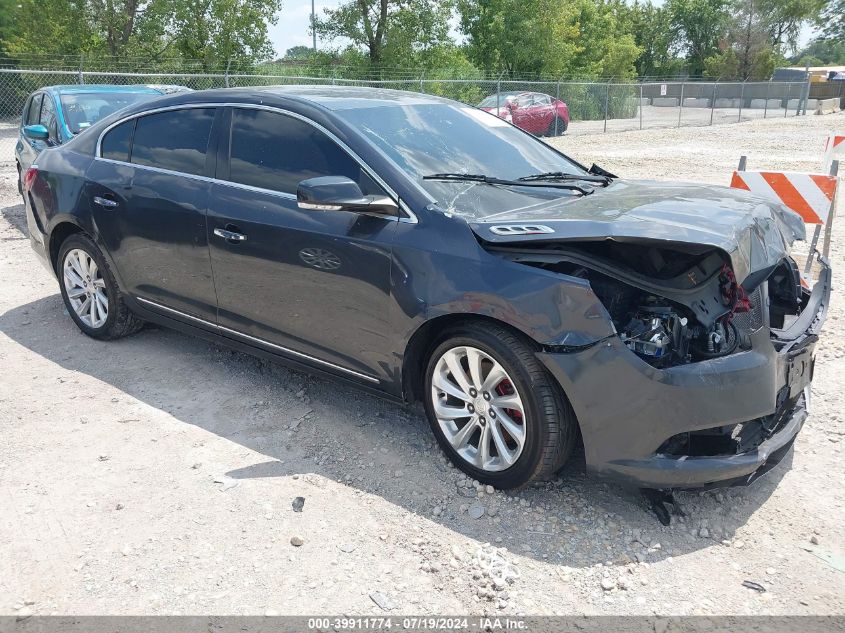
(55, 114)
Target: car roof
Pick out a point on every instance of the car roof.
(101, 88)
(328, 97)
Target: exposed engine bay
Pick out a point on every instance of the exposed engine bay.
(673, 307)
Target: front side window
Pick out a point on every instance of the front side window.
(523, 101)
(115, 144)
(33, 110)
(275, 151)
(176, 140)
(48, 118)
(497, 100)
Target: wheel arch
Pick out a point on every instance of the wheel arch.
(428, 335)
(58, 235)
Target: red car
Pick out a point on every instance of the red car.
(534, 112)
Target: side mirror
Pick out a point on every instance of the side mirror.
(36, 132)
(339, 193)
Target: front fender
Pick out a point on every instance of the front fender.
(441, 269)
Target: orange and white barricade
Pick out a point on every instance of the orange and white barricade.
(834, 149)
(812, 196)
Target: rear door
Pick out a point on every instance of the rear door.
(315, 283)
(149, 195)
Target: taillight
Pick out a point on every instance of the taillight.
(29, 177)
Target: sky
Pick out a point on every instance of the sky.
(295, 18)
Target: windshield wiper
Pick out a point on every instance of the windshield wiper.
(558, 176)
(490, 180)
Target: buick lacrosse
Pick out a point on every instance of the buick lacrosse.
(430, 251)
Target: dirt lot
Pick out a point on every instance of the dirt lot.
(156, 474)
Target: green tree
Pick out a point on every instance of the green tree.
(395, 32)
(50, 27)
(651, 27)
(299, 52)
(212, 31)
(832, 21)
(219, 32)
(700, 25)
(757, 37)
(582, 38)
(784, 19)
(822, 51)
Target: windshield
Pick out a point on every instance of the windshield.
(82, 110)
(436, 138)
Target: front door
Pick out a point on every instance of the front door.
(316, 283)
(40, 110)
(149, 197)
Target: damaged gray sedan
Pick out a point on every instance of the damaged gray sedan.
(425, 250)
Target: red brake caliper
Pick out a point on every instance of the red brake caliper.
(505, 388)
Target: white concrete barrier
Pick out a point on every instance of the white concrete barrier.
(728, 103)
(827, 106)
(760, 104)
(696, 102)
(665, 102)
(794, 104)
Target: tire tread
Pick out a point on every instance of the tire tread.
(557, 416)
(125, 321)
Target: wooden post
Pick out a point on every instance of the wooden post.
(828, 227)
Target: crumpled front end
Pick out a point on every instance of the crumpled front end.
(705, 381)
(713, 422)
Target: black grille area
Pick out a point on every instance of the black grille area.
(752, 320)
(734, 439)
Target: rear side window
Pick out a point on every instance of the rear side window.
(116, 142)
(175, 140)
(274, 151)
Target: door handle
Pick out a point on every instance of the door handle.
(105, 202)
(230, 236)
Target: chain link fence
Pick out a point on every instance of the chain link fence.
(595, 107)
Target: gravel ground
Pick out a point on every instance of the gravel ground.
(158, 474)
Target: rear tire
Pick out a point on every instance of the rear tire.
(90, 292)
(20, 180)
(507, 422)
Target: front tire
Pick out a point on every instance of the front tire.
(90, 292)
(495, 410)
(557, 127)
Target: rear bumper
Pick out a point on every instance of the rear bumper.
(629, 411)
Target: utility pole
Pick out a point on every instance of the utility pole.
(313, 30)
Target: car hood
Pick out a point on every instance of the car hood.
(755, 232)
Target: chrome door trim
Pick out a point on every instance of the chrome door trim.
(260, 341)
(412, 218)
(293, 352)
(178, 313)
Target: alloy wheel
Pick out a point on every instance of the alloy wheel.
(85, 288)
(478, 408)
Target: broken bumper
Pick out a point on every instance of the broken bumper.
(630, 412)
